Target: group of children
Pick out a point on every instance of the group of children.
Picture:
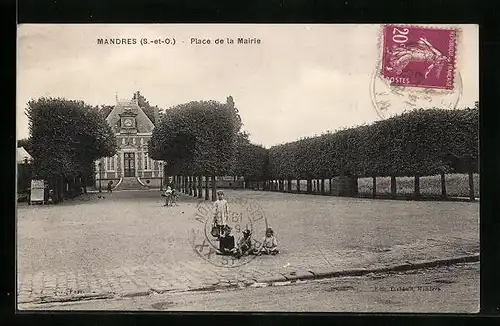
(246, 244)
(170, 196)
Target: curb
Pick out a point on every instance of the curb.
(286, 279)
(360, 272)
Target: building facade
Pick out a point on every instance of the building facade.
(131, 167)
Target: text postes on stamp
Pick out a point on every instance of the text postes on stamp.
(417, 70)
(419, 56)
(243, 215)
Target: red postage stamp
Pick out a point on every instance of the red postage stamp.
(419, 56)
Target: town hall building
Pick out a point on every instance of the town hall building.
(131, 167)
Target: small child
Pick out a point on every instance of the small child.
(226, 242)
(269, 243)
(168, 196)
(110, 187)
(174, 197)
(245, 244)
(221, 209)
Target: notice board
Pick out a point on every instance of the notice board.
(37, 191)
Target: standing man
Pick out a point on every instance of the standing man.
(221, 209)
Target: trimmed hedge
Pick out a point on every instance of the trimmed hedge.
(421, 142)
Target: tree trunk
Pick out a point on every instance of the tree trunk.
(471, 185)
(331, 186)
(289, 185)
(393, 187)
(322, 186)
(195, 186)
(191, 186)
(298, 185)
(200, 187)
(374, 187)
(443, 185)
(84, 185)
(207, 197)
(354, 184)
(214, 189)
(416, 191)
(309, 186)
(55, 189)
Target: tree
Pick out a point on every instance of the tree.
(197, 138)
(67, 137)
(150, 111)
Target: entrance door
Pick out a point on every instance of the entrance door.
(129, 162)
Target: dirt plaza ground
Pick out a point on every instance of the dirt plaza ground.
(129, 244)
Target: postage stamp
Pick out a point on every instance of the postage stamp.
(419, 56)
(243, 215)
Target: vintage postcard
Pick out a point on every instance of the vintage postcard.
(240, 167)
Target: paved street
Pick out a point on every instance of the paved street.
(452, 289)
(129, 245)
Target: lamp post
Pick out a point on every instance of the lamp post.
(161, 176)
(100, 176)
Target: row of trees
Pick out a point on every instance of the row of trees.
(422, 142)
(204, 138)
(419, 143)
(66, 137)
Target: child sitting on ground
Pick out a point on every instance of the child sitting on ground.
(245, 244)
(226, 242)
(269, 243)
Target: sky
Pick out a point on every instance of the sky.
(301, 80)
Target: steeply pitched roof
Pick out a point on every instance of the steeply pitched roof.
(143, 123)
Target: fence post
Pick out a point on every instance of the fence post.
(471, 185)
(393, 187)
(443, 185)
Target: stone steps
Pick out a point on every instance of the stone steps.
(130, 183)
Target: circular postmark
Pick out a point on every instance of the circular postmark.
(390, 100)
(243, 214)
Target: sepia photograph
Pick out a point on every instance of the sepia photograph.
(248, 168)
